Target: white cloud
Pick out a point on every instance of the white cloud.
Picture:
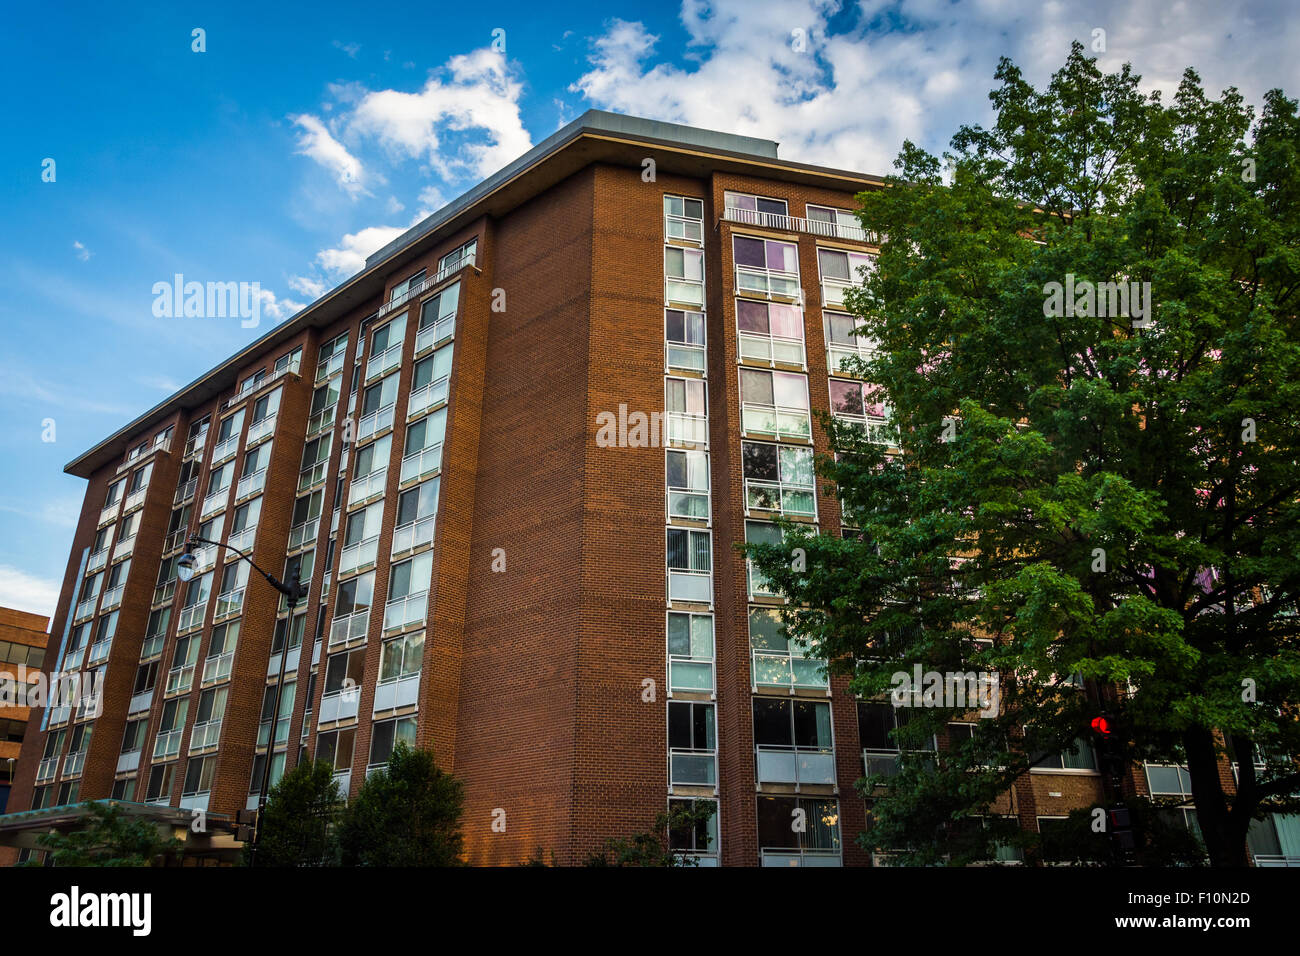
(913, 69)
(162, 383)
(83, 253)
(27, 592)
(480, 96)
(351, 49)
(319, 144)
(431, 200)
(311, 287)
(277, 308)
(349, 256)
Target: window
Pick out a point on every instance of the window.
(386, 347)
(221, 651)
(408, 587)
(686, 403)
(161, 779)
(417, 509)
(775, 403)
(423, 453)
(779, 661)
(331, 356)
(291, 629)
(856, 401)
(766, 267)
(196, 436)
(277, 715)
(306, 513)
(218, 482)
(146, 677)
(837, 223)
(430, 381)
(361, 538)
(266, 406)
(408, 285)
(370, 470)
(1080, 756)
(377, 405)
(692, 744)
(197, 592)
(168, 741)
(243, 525)
(133, 736)
(252, 381)
(841, 270)
(463, 256)
(335, 748)
(114, 494)
(1169, 780)
(684, 275)
(778, 478)
(253, 478)
(756, 210)
(140, 479)
(684, 218)
(843, 344)
(684, 334)
(259, 770)
(688, 484)
(690, 651)
(782, 844)
(343, 672)
(761, 532)
(401, 657)
(198, 776)
(352, 608)
(228, 436)
(385, 736)
(324, 403)
(794, 742)
(770, 332)
(437, 318)
(690, 566)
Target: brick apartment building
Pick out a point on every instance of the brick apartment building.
(22, 644)
(566, 624)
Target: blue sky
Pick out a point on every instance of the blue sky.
(298, 142)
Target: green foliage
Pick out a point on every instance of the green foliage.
(109, 836)
(302, 812)
(653, 847)
(407, 814)
(1163, 843)
(1124, 498)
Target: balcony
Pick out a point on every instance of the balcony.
(768, 283)
(109, 513)
(359, 555)
(694, 587)
(73, 764)
(788, 671)
(759, 585)
(123, 547)
(344, 779)
(330, 366)
(772, 350)
(783, 857)
(205, 735)
(431, 336)
(47, 769)
(779, 421)
(140, 703)
(191, 617)
(194, 446)
(450, 267)
(175, 540)
(73, 659)
(1275, 859)
(405, 613)
(321, 420)
(793, 499)
(682, 355)
(877, 431)
(194, 801)
(112, 598)
(250, 485)
(879, 762)
(687, 674)
(225, 449)
(185, 491)
(97, 560)
(290, 663)
(179, 680)
(85, 609)
(164, 592)
(413, 535)
(152, 646)
(367, 487)
(376, 421)
(167, 743)
(349, 628)
(128, 762)
(813, 227)
(837, 353)
(259, 431)
(692, 768)
(59, 715)
(99, 652)
(397, 692)
(215, 502)
(134, 500)
(281, 731)
(241, 541)
(427, 396)
(229, 604)
(421, 464)
(312, 475)
(801, 766)
(340, 705)
(217, 668)
(304, 534)
(385, 361)
(688, 429)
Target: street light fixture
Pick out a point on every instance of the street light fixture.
(186, 566)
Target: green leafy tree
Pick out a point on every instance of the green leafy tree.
(302, 812)
(407, 814)
(1108, 495)
(653, 847)
(109, 836)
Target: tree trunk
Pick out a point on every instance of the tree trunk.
(1223, 835)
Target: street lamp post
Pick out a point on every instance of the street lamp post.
(293, 591)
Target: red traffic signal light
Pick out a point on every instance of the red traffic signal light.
(1102, 726)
